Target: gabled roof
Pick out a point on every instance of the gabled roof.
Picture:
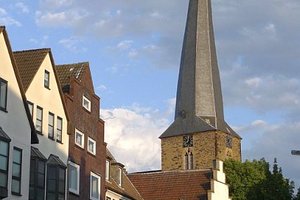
(66, 71)
(34, 138)
(4, 136)
(35, 153)
(172, 185)
(127, 189)
(55, 160)
(29, 62)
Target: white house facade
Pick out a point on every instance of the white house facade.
(50, 118)
(16, 128)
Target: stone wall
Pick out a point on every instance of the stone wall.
(207, 146)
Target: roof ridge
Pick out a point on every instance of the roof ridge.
(70, 64)
(31, 50)
(171, 171)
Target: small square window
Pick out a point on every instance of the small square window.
(91, 146)
(86, 103)
(47, 79)
(79, 138)
(95, 186)
(74, 174)
(3, 94)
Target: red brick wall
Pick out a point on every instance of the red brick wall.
(90, 124)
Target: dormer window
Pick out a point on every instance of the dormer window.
(91, 146)
(47, 79)
(3, 94)
(86, 103)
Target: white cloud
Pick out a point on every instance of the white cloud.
(24, 8)
(62, 18)
(101, 88)
(2, 12)
(253, 82)
(6, 20)
(73, 44)
(124, 45)
(276, 141)
(132, 135)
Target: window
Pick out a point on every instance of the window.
(94, 186)
(189, 161)
(3, 94)
(86, 103)
(16, 171)
(4, 156)
(79, 138)
(59, 129)
(55, 182)
(37, 179)
(91, 146)
(228, 141)
(108, 198)
(107, 170)
(51, 126)
(120, 177)
(30, 106)
(74, 173)
(39, 120)
(47, 79)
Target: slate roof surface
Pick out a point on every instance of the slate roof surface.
(28, 62)
(65, 72)
(199, 95)
(35, 152)
(55, 160)
(172, 185)
(127, 189)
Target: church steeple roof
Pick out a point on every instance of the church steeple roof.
(199, 104)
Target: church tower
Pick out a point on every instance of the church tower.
(199, 133)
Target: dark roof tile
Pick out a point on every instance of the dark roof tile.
(28, 62)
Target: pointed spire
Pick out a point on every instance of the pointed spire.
(199, 105)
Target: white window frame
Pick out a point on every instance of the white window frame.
(99, 188)
(88, 146)
(82, 134)
(107, 169)
(78, 177)
(88, 107)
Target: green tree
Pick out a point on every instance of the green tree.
(252, 180)
(297, 197)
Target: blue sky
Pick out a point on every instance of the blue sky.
(134, 47)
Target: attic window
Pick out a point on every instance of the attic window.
(47, 79)
(86, 103)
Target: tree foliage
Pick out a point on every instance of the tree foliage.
(253, 180)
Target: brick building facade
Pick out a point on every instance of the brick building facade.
(87, 150)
